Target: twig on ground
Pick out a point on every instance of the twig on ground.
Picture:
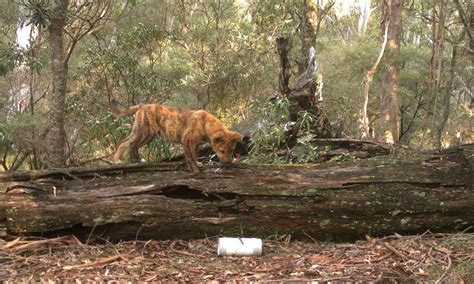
(447, 268)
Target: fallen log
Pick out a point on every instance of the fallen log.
(345, 146)
(404, 193)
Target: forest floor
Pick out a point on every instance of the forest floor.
(432, 257)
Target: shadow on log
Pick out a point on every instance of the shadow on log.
(408, 193)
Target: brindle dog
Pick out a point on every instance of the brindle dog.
(191, 128)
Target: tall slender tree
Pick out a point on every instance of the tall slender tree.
(67, 22)
(442, 113)
(57, 134)
(389, 105)
(438, 18)
(363, 121)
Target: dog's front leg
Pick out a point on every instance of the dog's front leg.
(190, 155)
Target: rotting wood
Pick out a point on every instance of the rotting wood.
(354, 147)
(411, 192)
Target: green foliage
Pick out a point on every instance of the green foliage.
(125, 63)
(343, 70)
(305, 151)
(275, 16)
(220, 55)
(342, 157)
(39, 12)
(10, 56)
(16, 132)
(5, 143)
(269, 135)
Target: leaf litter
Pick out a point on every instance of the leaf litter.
(432, 257)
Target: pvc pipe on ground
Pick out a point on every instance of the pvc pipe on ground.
(239, 246)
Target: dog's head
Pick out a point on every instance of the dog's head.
(223, 143)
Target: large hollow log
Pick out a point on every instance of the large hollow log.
(338, 201)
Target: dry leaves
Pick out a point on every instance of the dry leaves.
(428, 257)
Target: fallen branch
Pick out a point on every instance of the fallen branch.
(450, 262)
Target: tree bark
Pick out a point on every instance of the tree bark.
(364, 15)
(467, 19)
(363, 115)
(389, 106)
(57, 133)
(307, 32)
(302, 95)
(407, 194)
(434, 81)
(283, 48)
(445, 104)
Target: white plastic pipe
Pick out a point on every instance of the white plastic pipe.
(239, 246)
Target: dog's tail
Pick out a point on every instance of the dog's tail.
(118, 110)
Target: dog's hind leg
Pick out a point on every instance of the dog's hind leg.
(134, 155)
(134, 147)
(121, 148)
(132, 141)
(144, 138)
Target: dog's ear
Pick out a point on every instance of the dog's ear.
(217, 138)
(237, 137)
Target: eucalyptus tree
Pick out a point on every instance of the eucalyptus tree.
(301, 21)
(449, 39)
(389, 101)
(458, 39)
(67, 23)
(221, 55)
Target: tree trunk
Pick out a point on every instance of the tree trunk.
(467, 19)
(302, 95)
(57, 134)
(434, 81)
(410, 193)
(363, 114)
(283, 48)
(389, 106)
(445, 104)
(364, 15)
(307, 32)
(435, 87)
